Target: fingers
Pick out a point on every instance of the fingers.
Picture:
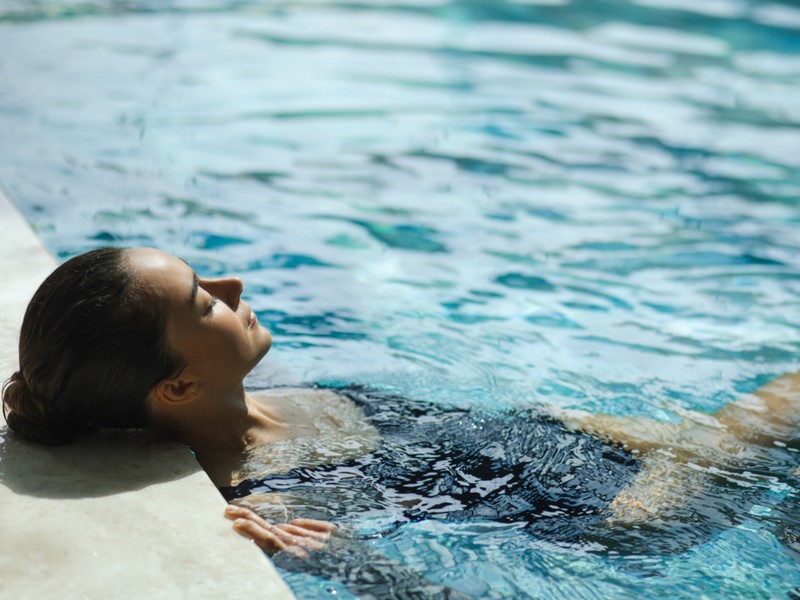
(275, 538)
(292, 535)
(314, 525)
(268, 539)
(263, 537)
(240, 512)
(295, 537)
(299, 541)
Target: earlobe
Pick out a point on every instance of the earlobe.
(173, 392)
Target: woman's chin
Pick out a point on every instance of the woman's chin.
(266, 339)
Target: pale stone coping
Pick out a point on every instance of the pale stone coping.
(121, 515)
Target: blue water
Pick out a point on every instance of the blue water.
(576, 203)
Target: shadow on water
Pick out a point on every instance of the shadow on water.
(107, 463)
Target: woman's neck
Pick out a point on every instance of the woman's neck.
(230, 423)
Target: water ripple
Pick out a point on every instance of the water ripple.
(472, 202)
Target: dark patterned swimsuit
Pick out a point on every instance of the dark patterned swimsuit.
(455, 464)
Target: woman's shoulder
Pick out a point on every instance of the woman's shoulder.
(313, 410)
(321, 426)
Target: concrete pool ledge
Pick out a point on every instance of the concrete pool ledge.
(120, 515)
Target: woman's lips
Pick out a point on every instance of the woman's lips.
(250, 319)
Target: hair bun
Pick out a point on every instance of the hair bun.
(17, 377)
(26, 415)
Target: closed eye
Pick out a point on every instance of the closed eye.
(210, 306)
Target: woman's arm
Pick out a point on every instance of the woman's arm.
(771, 413)
(697, 434)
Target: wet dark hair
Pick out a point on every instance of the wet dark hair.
(92, 346)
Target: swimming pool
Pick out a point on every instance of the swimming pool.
(589, 204)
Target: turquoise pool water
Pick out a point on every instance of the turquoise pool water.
(590, 204)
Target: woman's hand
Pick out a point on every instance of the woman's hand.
(296, 537)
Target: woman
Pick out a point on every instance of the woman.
(122, 338)
(134, 338)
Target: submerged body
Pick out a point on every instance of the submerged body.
(445, 463)
(390, 461)
(570, 480)
(395, 461)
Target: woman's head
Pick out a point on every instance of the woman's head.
(106, 328)
(91, 347)
(208, 324)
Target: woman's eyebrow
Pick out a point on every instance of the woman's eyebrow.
(195, 284)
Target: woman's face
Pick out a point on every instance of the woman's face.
(208, 324)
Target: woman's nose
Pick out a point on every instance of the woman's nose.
(229, 290)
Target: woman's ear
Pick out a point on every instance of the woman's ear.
(174, 392)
